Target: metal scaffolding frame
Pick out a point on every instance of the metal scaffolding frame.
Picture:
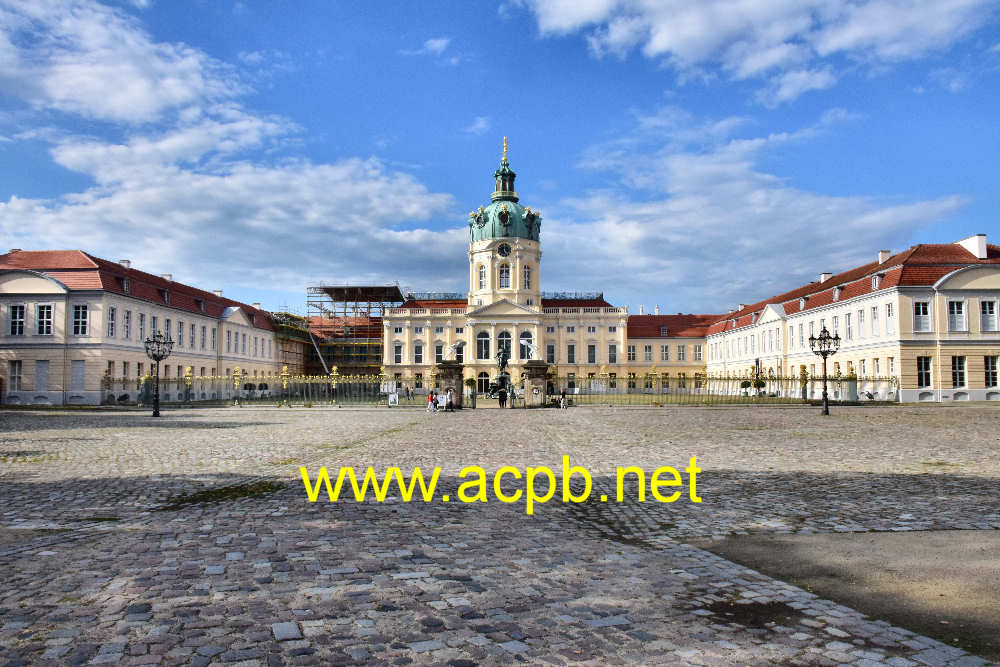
(345, 322)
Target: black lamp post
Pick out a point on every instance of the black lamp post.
(158, 348)
(824, 345)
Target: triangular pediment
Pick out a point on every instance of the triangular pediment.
(503, 307)
(235, 315)
(771, 313)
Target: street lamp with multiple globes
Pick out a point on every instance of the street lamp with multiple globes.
(824, 345)
(158, 348)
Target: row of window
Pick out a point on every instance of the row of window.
(591, 329)
(957, 316)
(959, 365)
(504, 342)
(191, 336)
(15, 373)
(855, 327)
(503, 277)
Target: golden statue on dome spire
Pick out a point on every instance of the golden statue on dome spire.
(505, 149)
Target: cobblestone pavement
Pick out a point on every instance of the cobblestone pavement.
(110, 570)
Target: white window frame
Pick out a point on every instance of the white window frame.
(112, 321)
(983, 321)
(80, 326)
(503, 276)
(127, 325)
(23, 319)
(39, 320)
(964, 328)
(926, 318)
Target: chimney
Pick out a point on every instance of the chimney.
(657, 311)
(640, 308)
(883, 255)
(823, 277)
(217, 292)
(126, 263)
(169, 277)
(741, 306)
(15, 250)
(975, 244)
(731, 311)
(256, 305)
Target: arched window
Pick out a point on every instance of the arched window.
(482, 277)
(505, 276)
(483, 383)
(526, 283)
(482, 345)
(525, 342)
(503, 342)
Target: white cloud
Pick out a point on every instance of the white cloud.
(951, 79)
(92, 60)
(696, 224)
(791, 84)
(274, 225)
(435, 47)
(179, 184)
(789, 43)
(479, 125)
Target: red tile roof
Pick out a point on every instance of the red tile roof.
(678, 326)
(922, 264)
(79, 270)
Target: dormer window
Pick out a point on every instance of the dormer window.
(201, 305)
(876, 282)
(253, 319)
(125, 284)
(802, 303)
(663, 331)
(166, 296)
(836, 293)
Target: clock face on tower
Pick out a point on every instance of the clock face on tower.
(503, 249)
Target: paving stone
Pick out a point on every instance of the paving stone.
(285, 631)
(605, 583)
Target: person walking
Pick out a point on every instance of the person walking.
(502, 397)
(430, 402)
(450, 407)
(562, 399)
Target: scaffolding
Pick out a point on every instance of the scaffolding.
(345, 323)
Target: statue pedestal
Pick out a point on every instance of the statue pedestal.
(535, 378)
(449, 376)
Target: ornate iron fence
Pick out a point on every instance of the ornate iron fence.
(311, 390)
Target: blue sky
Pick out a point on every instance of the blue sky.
(689, 154)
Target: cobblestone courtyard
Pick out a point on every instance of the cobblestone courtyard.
(102, 561)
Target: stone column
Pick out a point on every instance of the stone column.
(449, 375)
(536, 372)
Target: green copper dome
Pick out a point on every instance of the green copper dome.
(504, 217)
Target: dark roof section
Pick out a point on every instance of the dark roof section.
(435, 303)
(575, 303)
(79, 270)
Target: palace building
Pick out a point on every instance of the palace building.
(583, 338)
(924, 318)
(917, 325)
(72, 321)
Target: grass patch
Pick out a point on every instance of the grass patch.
(223, 494)
(284, 462)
